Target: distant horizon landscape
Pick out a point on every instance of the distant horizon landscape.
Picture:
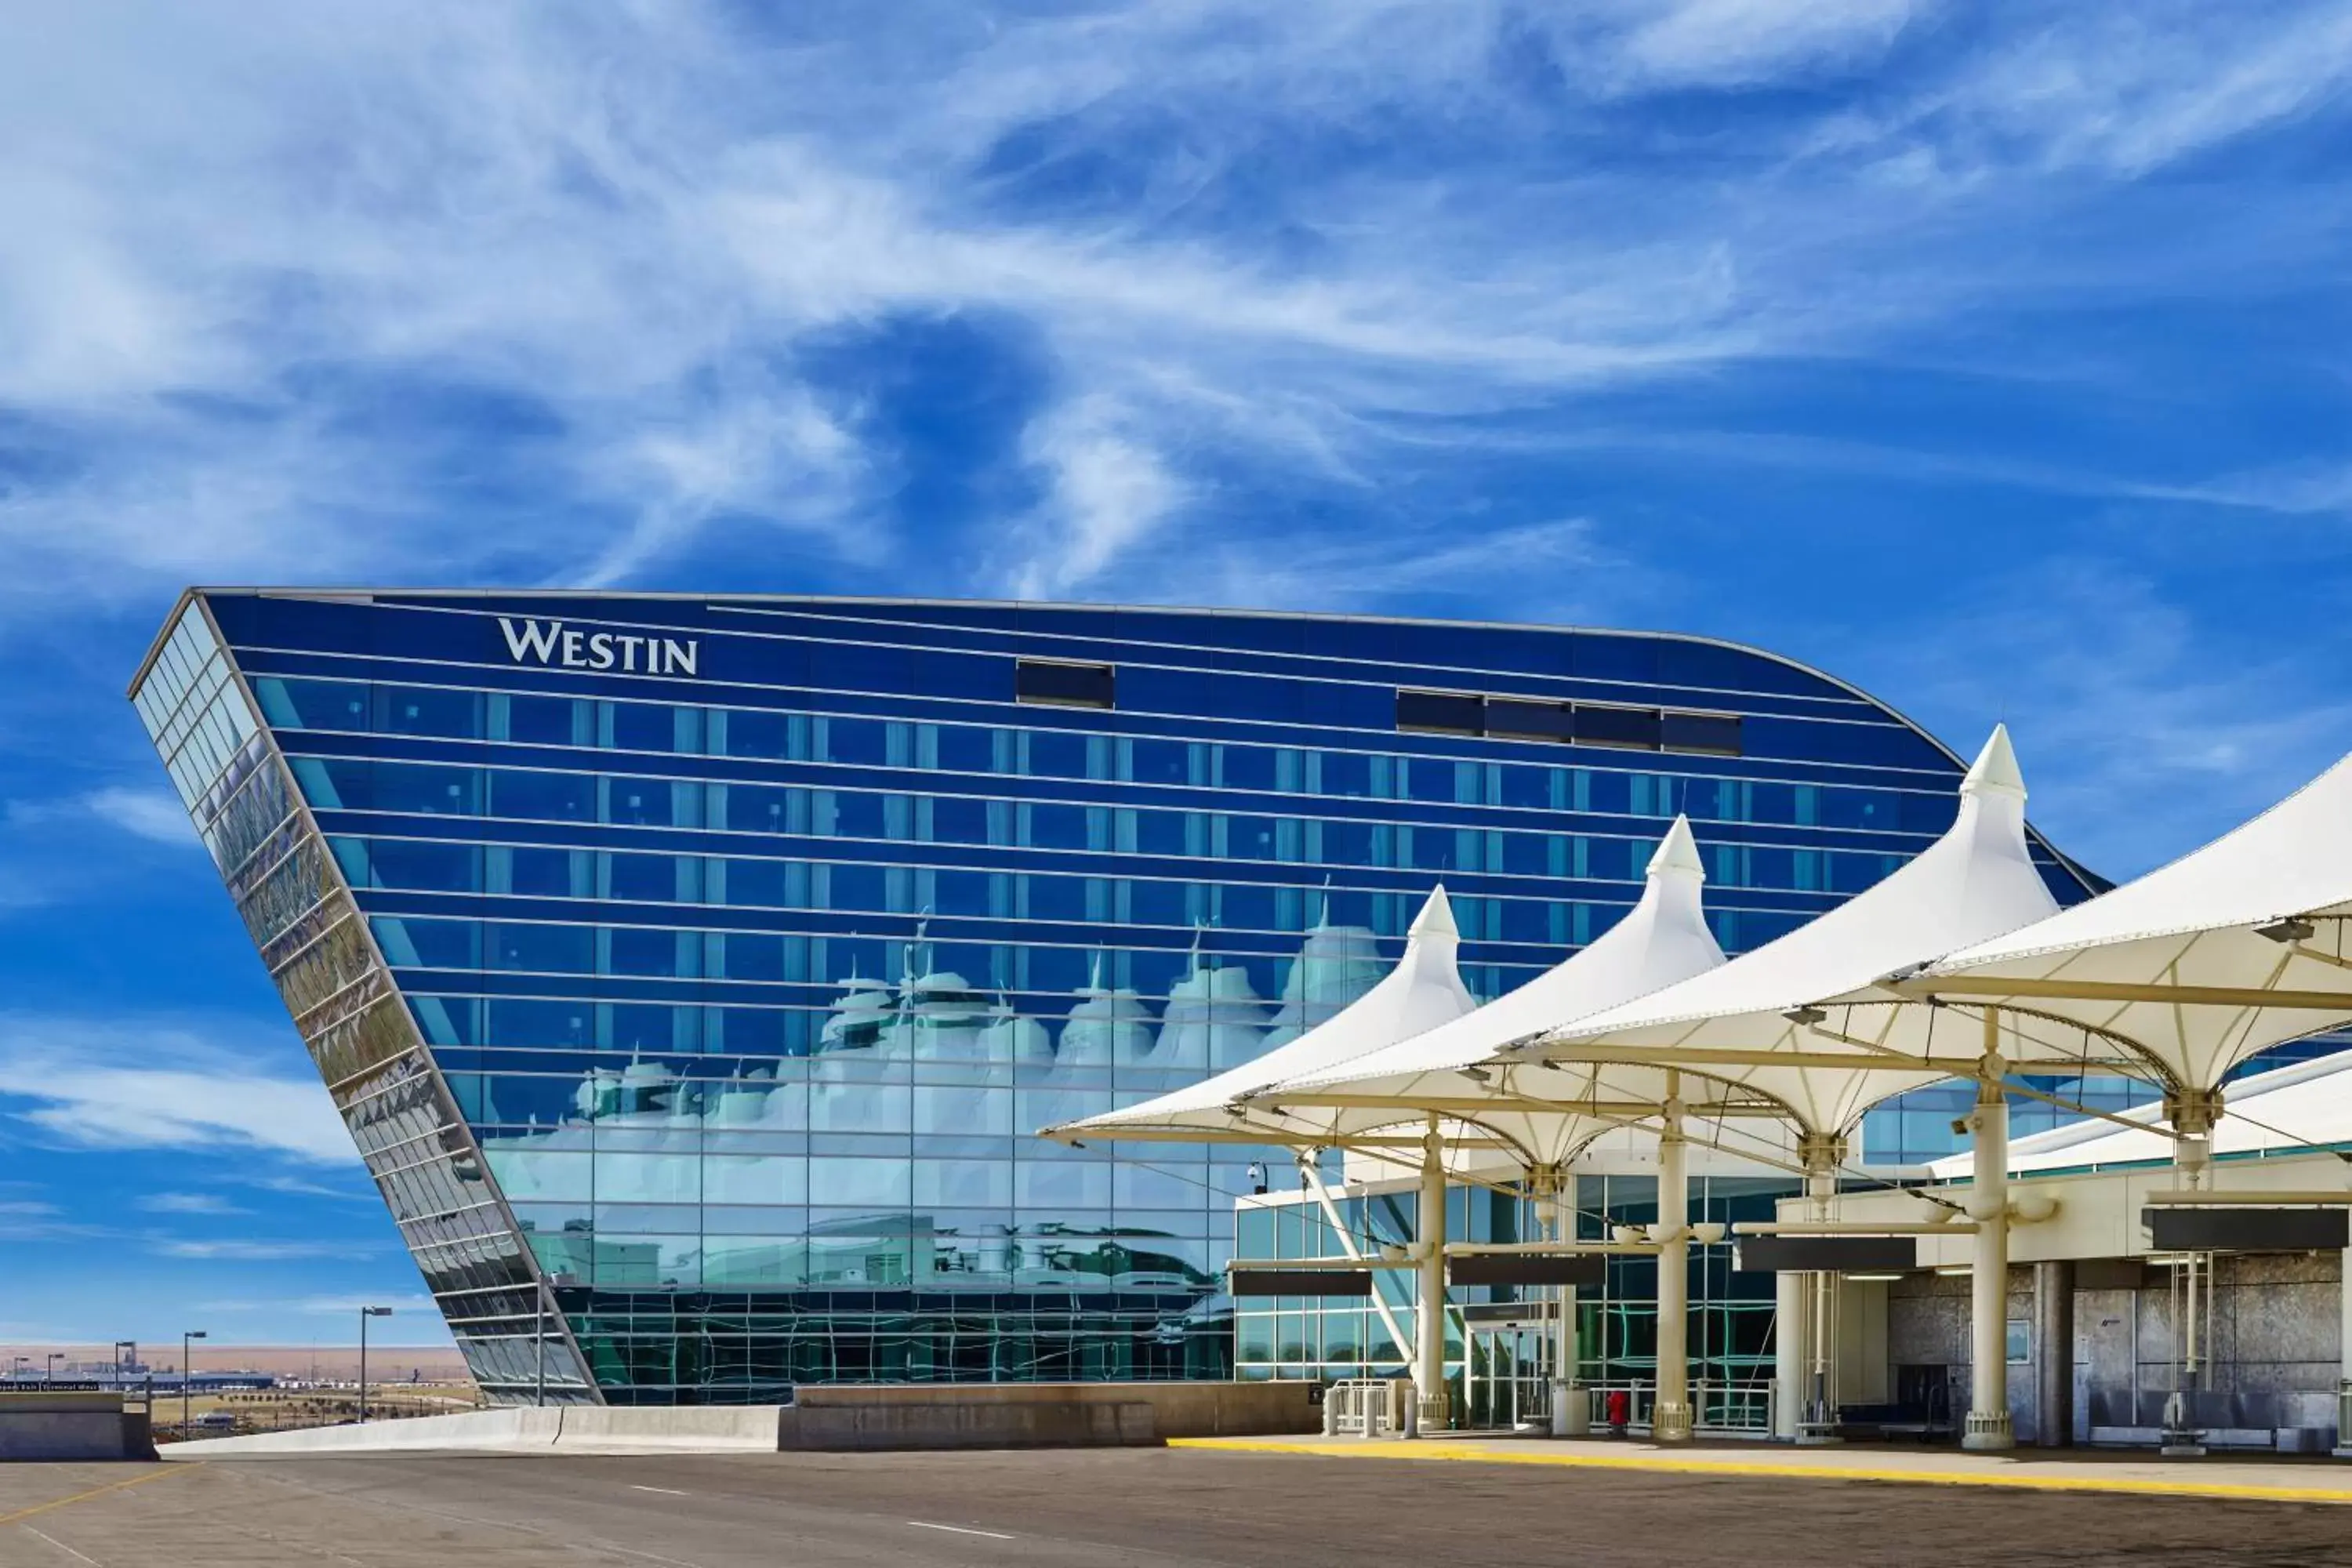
(333, 1362)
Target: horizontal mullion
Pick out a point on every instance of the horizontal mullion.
(1003, 713)
(1043, 789)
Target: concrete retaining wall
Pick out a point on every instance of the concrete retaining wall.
(954, 1416)
(575, 1428)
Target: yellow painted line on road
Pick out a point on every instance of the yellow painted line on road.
(95, 1491)
(1821, 1472)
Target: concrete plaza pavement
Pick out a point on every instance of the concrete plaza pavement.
(1176, 1507)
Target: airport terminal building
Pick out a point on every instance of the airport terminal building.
(692, 971)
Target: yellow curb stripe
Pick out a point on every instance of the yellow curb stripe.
(1501, 1456)
(156, 1474)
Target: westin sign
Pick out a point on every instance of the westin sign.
(553, 644)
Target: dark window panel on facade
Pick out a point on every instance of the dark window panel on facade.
(1440, 712)
(1634, 729)
(1063, 685)
(1516, 718)
(1707, 734)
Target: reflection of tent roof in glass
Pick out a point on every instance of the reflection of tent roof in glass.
(1422, 990)
(2237, 946)
(1804, 1020)
(1547, 1112)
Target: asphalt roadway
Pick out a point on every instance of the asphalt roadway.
(1161, 1508)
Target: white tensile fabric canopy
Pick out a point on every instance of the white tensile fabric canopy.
(2235, 947)
(1545, 1114)
(1804, 1019)
(1422, 992)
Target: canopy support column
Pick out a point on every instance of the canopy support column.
(1817, 1424)
(2191, 1114)
(1670, 1416)
(1988, 1427)
(1429, 1318)
(1792, 1304)
(1571, 1412)
(2344, 1386)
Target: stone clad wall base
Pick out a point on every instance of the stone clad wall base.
(47, 1423)
(834, 1428)
(31, 1430)
(1018, 1414)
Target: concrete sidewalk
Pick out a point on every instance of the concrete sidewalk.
(2281, 1479)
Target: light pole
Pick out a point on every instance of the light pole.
(51, 1375)
(366, 1314)
(16, 1373)
(122, 1364)
(186, 1368)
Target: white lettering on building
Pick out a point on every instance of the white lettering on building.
(553, 643)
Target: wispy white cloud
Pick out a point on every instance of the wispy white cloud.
(189, 1203)
(155, 1084)
(617, 275)
(1728, 43)
(1106, 492)
(2115, 92)
(778, 457)
(359, 1190)
(2133, 87)
(150, 814)
(255, 1251)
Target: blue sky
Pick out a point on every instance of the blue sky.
(1994, 357)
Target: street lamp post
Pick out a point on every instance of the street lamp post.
(16, 1373)
(366, 1314)
(51, 1375)
(185, 1369)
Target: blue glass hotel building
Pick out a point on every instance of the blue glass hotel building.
(691, 971)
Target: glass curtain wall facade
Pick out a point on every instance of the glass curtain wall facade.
(1498, 1363)
(693, 972)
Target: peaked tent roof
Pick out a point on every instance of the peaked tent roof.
(1422, 992)
(1547, 1112)
(2232, 948)
(1804, 1020)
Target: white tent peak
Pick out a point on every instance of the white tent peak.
(1678, 854)
(1995, 771)
(2252, 911)
(1663, 939)
(1977, 881)
(1436, 918)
